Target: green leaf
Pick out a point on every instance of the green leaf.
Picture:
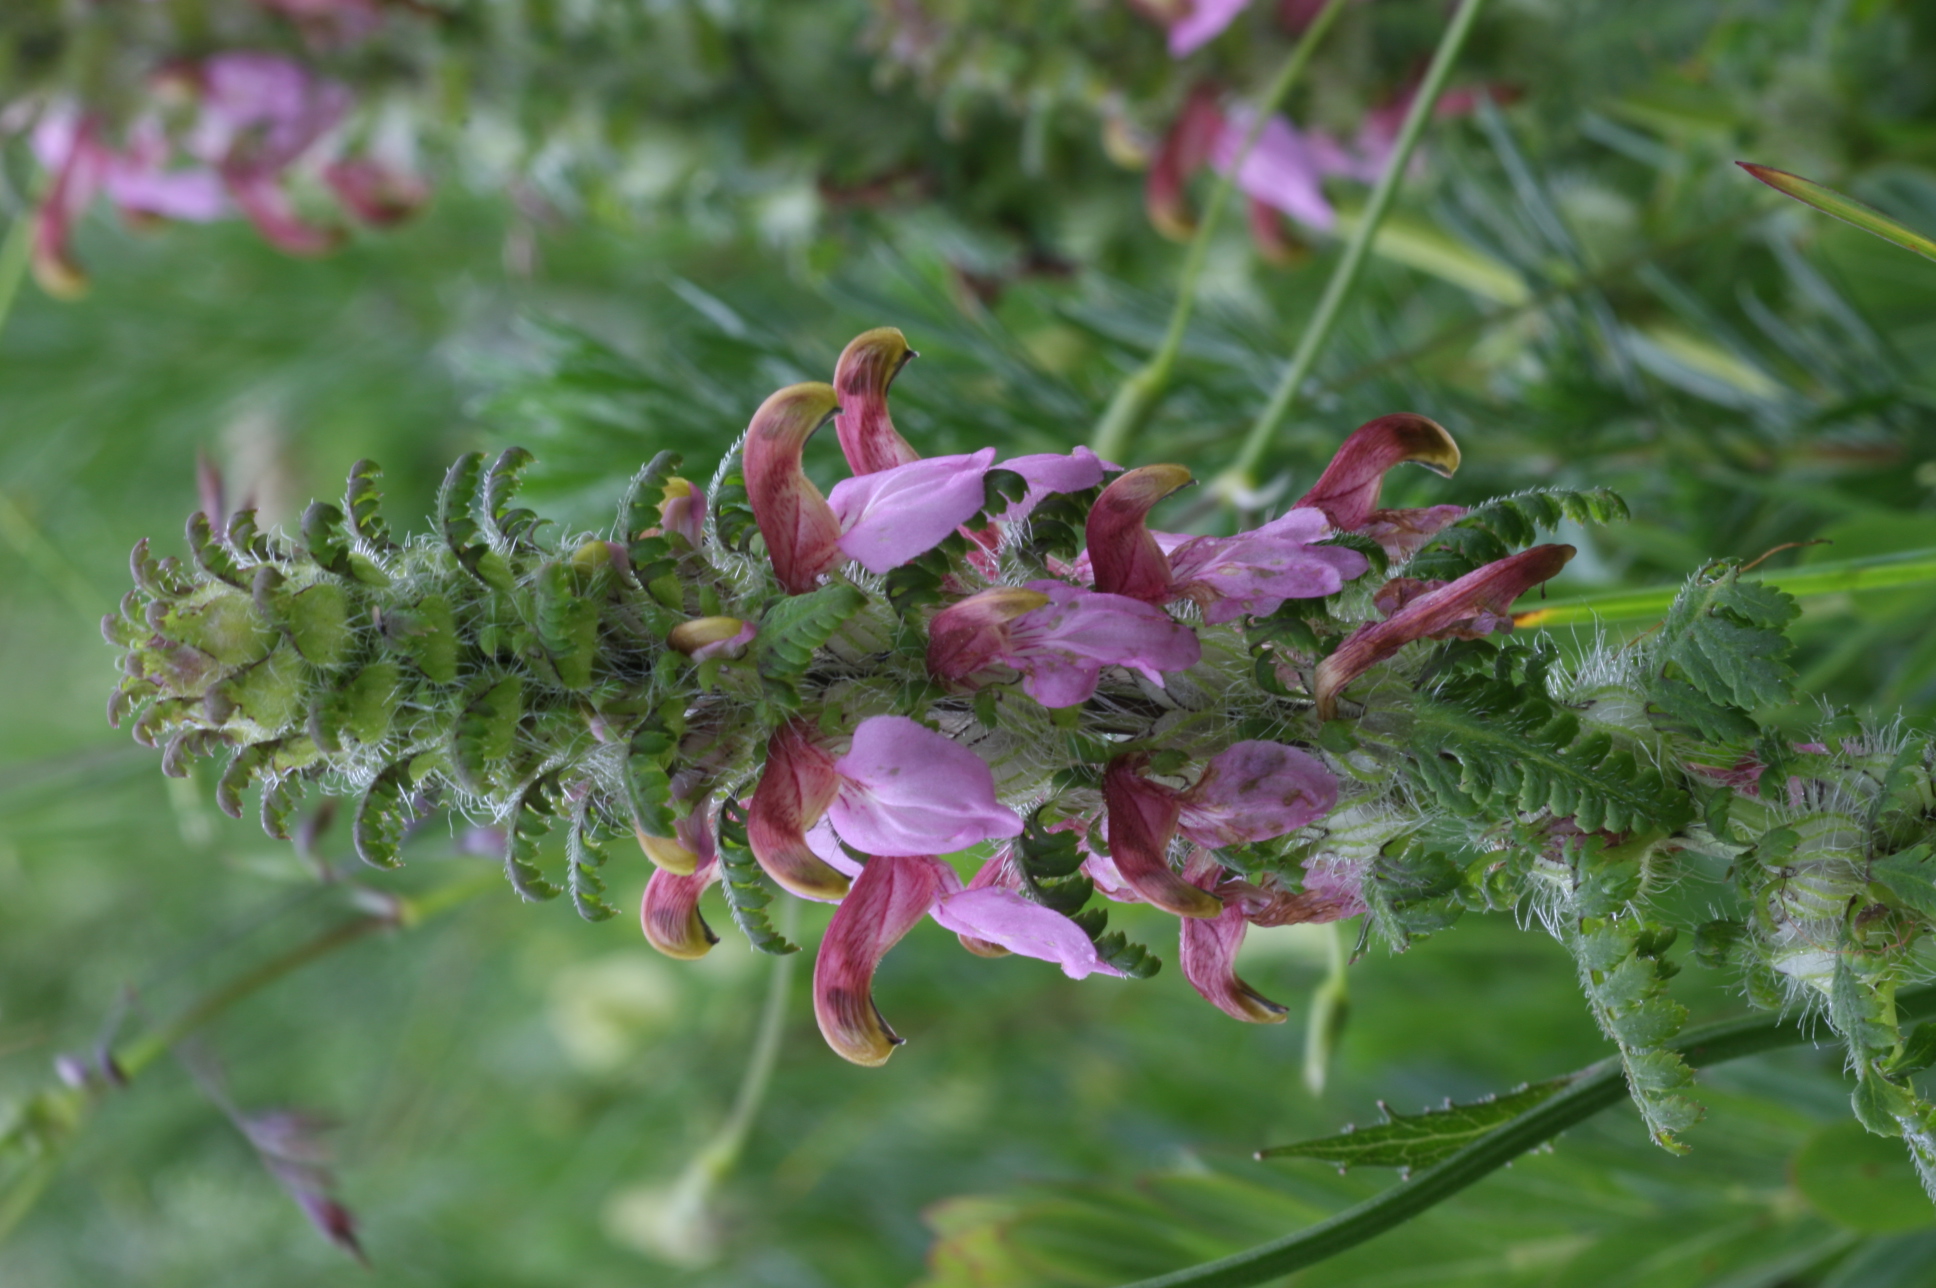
(512, 527)
(1910, 877)
(530, 820)
(361, 497)
(382, 816)
(1419, 1140)
(1862, 1181)
(795, 628)
(745, 885)
(1842, 207)
(1723, 636)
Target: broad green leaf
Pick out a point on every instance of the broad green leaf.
(1862, 1181)
(1842, 207)
(1419, 1140)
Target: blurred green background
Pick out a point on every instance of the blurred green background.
(1579, 284)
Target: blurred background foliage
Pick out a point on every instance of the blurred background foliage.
(650, 215)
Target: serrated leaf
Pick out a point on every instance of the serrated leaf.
(323, 539)
(361, 499)
(1911, 877)
(511, 526)
(1724, 636)
(530, 820)
(745, 885)
(584, 856)
(382, 816)
(1422, 1139)
(797, 627)
(638, 509)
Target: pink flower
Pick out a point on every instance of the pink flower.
(1059, 637)
(1143, 818)
(1207, 948)
(1347, 492)
(890, 894)
(1052, 472)
(902, 789)
(1286, 169)
(894, 515)
(1200, 22)
(905, 789)
(1477, 603)
(1252, 791)
(1228, 577)
(705, 638)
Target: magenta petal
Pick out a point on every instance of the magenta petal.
(1005, 918)
(888, 897)
(1049, 473)
(1203, 22)
(669, 913)
(1253, 791)
(1207, 951)
(906, 789)
(1062, 647)
(825, 843)
(1250, 574)
(1347, 491)
(892, 516)
(1280, 170)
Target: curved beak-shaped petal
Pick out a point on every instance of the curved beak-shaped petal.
(905, 789)
(866, 369)
(380, 195)
(795, 789)
(1142, 820)
(1347, 491)
(889, 896)
(1207, 951)
(802, 535)
(1125, 557)
(1484, 592)
(972, 634)
(1253, 791)
(260, 195)
(670, 912)
(689, 849)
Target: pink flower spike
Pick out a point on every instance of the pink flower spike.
(1485, 594)
(1207, 951)
(1123, 554)
(1142, 821)
(866, 369)
(795, 788)
(905, 789)
(1202, 21)
(1253, 791)
(669, 914)
(1347, 491)
(894, 515)
(990, 915)
(1282, 170)
(890, 895)
(802, 535)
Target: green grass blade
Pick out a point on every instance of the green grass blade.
(1843, 207)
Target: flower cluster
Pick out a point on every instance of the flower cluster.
(255, 121)
(830, 694)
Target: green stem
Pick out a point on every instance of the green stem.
(1136, 398)
(1330, 1001)
(1239, 479)
(719, 1155)
(1594, 1089)
(1878, 572)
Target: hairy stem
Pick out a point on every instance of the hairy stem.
(1330, 1002)
(1239, 480)
(1136, 398)
(1595, 1088)
(1878, 572)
